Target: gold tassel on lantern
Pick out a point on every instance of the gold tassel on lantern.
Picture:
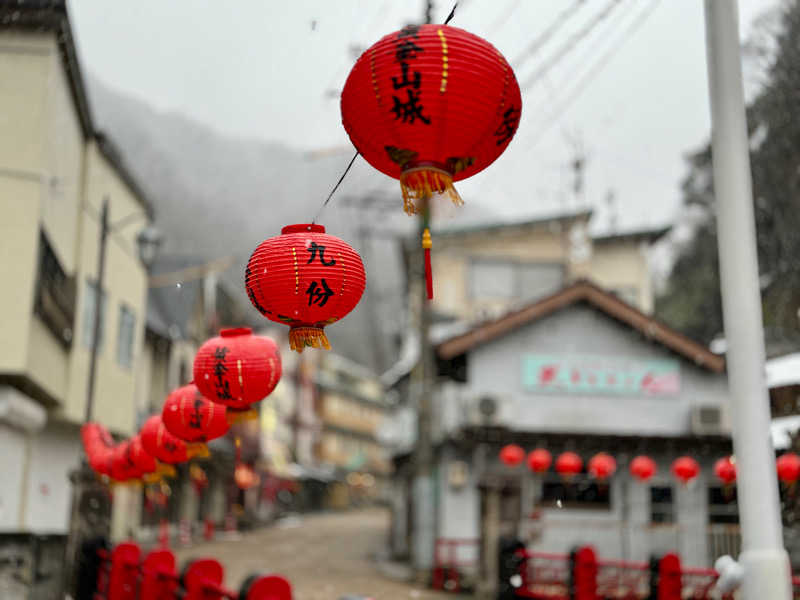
(312, 337)
(420, 183)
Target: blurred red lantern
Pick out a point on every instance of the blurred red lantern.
(160, 443)
(430, 105)
(602, 466)
(98, 446)
(685, 468)
(193, 418)
(569, 464)
(643, 467)
(788, 467)
(539, 460)
(725, 470)
(123, 468)
(512, 455)
(144, 462)
(237, 368)
(244, 476)
(306, 279)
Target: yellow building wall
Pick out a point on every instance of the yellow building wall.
(623, 264)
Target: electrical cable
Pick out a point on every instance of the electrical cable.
(545, 36)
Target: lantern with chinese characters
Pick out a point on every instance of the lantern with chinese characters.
(725, 470)
(788, 467)
(160, 443)
(147, 464)
(602, 466)
(306, 279)
(643, 467)
(430, 105)
(685, 468)
(539, 460)
(123, 467)
(569, 464)
(188, 415)
(98, 446)
(237, 368)
(244, 476)
(512, 455)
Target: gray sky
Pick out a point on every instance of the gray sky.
(264, 69)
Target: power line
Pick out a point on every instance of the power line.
(594, 70)
(542, 39)
(498, 23)
(570, 44)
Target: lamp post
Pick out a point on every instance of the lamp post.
(765, 562)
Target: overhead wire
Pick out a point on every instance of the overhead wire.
(545, 36)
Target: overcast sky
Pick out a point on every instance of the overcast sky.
(632, 94)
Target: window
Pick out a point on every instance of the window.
(537, 280)
(722, 505)
(491, 279)
(89, 307)
(55, 294)
(127, 328)
(495, 279)
(581, 492)
(628, 294)
(662, 510)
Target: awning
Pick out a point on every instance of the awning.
(781, 430)
(783, 371)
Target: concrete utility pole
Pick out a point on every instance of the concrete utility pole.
(766, 564)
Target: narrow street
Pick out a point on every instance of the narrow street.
(325, 556)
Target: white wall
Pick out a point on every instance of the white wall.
(12, 466)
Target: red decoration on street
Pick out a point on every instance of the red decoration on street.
(245, 476)
(159, 442)
(569, 464)
(685, 468)
(602, 466)
(98, 446)
(237, 368)
(788, 467)
(188, 415)
(539, 460)
(643, 467)
(512, 455)
(122, 466)
(426, 246)
(306, 279)
(429, 105)
(725, 470)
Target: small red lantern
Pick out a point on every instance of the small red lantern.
(123, 468)
(306, 279)
(539, 460)
(245, 476)
(237, 368)
(788, 467)
(643, 467)
(98, 446)
(160, 443)
(725, 470)
(569, 464)
(429, 105)
(602, 466)
(512, 455)
(193, 418)
(685, 468)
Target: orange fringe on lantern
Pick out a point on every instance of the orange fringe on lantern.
(240, 416)
(313, 337)
(197, 451)
(420, 183)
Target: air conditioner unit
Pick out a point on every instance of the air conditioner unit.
(706, 420)
(487, 410)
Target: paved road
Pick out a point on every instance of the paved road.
(325, 556)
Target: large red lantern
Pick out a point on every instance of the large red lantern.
(539, 460)
(430, 105)
(725, 470)
(188, 415)
(512, 455)
(98, 446)
(602, 466)
(685, 468)
(306, 279)
(569, 464)
(643, 467)
(788, 467)
(160, 443)
(237, 368)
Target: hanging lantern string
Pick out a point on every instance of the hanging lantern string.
(355, 156)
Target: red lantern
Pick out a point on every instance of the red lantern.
(569, 464)
(539, 460)
(788, 467)
(602, 466)
(160, 443)
(725, 470)
(237, 368)
(430, 105)
(245, 476)
(685, 468)
(123, 468)
(193, 418)
(643, 467)
(306, 279)
(98, 446)
(143, 461)
(512, 455)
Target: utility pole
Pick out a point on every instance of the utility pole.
(765, 561)
(98, 304)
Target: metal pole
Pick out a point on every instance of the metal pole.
(766, 564)
(98, 302)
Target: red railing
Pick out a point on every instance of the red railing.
(448, 566)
